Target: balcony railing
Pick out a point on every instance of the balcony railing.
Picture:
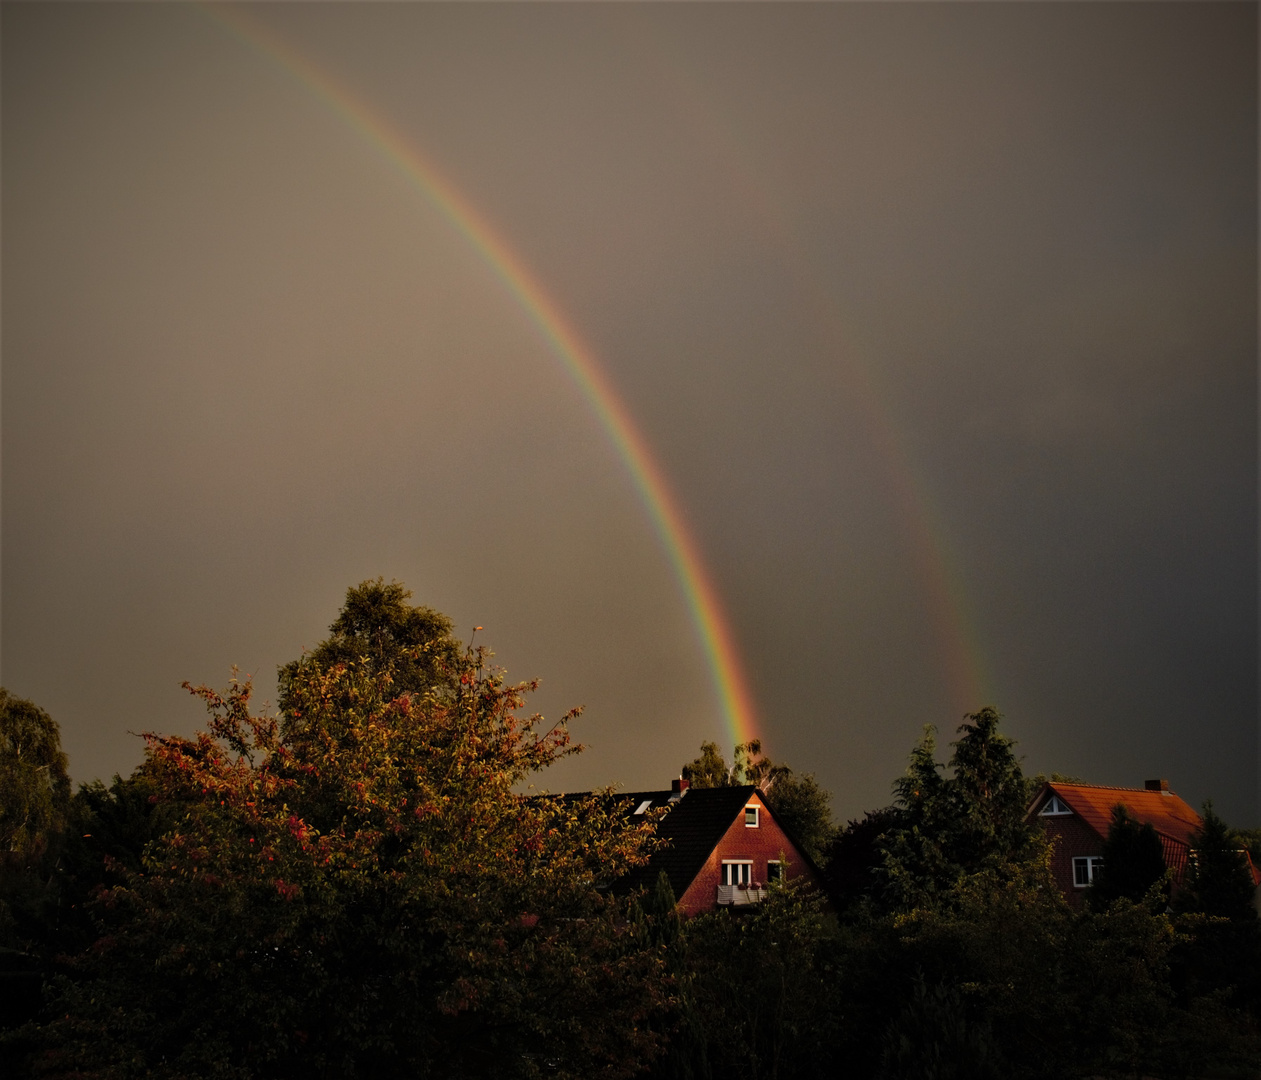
(738, 895)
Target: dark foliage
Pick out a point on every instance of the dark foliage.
(356, 888)
(947, 827)
(382, 634)
(1133, 865)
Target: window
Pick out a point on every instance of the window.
(1085, 869)
(737, 872)
(750, 816)
(774, 870)
(1054, 807)
(643, 806)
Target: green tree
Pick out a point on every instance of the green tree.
(951, 826)
(34, 798)
(709, 770)
(355, 889)
(756, 992)
(34, 786)
(988, 794)
(805, 810)
(1132, 863)
(1218, 881)
(855, 858)
(1221, 952)
(382, 633)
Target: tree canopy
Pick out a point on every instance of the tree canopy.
(946, 827)
(355, 888)
(380, 632)
(34, 785)
(359, 886)
(1218, 880)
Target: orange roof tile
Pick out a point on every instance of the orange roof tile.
(1167, 814)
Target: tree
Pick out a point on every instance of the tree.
(34, 786)
(855, 857)
(988, 794)
(381, 632)
(1221, 953)
(34, 797)
(755, 992)
(949, 827)
(805, 810)
(709, 770)
(354, 888)
(1133, 862)
(1218, 881)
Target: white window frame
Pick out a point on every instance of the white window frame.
(779, 874)
(756, 816)
(1092, 864)
(1055, 807)
(737, 872)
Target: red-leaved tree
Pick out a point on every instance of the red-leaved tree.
(356, 888)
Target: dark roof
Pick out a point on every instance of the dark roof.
(691, 830)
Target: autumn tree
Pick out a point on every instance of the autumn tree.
(354, 888)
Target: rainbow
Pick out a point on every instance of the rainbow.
(702, 600)
(947, 610)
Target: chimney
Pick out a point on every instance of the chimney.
(678, 788)
(1156, 785)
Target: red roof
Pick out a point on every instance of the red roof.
(1163, 810)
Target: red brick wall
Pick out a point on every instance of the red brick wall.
(1071, 836)
(766, 843)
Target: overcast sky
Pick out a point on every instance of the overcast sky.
(940, 321)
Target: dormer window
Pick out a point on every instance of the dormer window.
(1054, 807)
(750, 816)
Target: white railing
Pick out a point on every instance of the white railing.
(737, 895)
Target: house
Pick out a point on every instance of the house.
(722, 846)
(1078, 816)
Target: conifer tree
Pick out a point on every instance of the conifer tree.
(1132, 862)
(948, 827)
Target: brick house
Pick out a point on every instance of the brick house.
(723, 845)
(1078, 816)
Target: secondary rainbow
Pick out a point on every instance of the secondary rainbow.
(713, 631)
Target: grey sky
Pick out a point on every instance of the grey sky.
(904, 297)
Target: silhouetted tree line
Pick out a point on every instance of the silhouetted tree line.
(356, 886)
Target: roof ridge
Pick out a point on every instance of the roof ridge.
(1111, 787)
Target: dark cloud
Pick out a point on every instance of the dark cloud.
(916, 304)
